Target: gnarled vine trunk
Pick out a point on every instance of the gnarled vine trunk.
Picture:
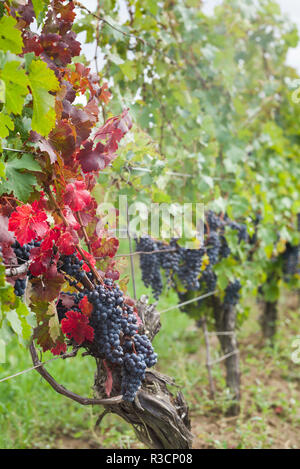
(225, 321)
(159, 418)
(268, 319)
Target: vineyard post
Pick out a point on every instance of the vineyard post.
(212, 389)
(268, 319)
(225, 321)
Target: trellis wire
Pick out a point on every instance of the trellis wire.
(174, 173)
(224, 357)
(67, 355)
(189, 301)
(143, 252)
(13, 149)
(146, 170)
(222, 333)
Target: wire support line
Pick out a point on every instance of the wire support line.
(67, 355)
(14, 149)
(222, 333)
(224, 357)
(175, 173)
(134, 168)
(143, 252)
(206, 295)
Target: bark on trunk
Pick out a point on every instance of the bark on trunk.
(225, 320)
(160, 419)
(268, 320)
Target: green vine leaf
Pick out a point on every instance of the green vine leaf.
(16, 83)
(42, 80)
(40, 8)
(17, 181)
(10, 36)
(6, 124)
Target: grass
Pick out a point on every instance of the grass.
(32, 415)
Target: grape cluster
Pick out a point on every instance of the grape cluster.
(20, 286)
(214, 246)
(193, 267)
(232, 296)
(22, 254)
(208, 278)
(62, 309)
(150, 265)
(72, 266)
(190, 267)
(290, 260)
(117, 339)
(241, 229)
(116, 335)
(169, 260)
(135, 364)
(214, 221)
(224, 248)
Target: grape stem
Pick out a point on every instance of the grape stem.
(65, 392)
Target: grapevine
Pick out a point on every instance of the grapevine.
(61, 265)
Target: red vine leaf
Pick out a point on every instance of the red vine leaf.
(76, 326)
(76, 196)
(105, 247)
(89, 257)
(85, 306)
(44, 145)
(104, 95)
(111, 273)
(60, 347)
(66, 244)
(5, 235)
(95, 159)
(83, 119)
(67, 300)
(40, 261)
(68, 214)
(63, 139)
(60, 49)
(50, 239)
(28, 224)
(53, 286)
